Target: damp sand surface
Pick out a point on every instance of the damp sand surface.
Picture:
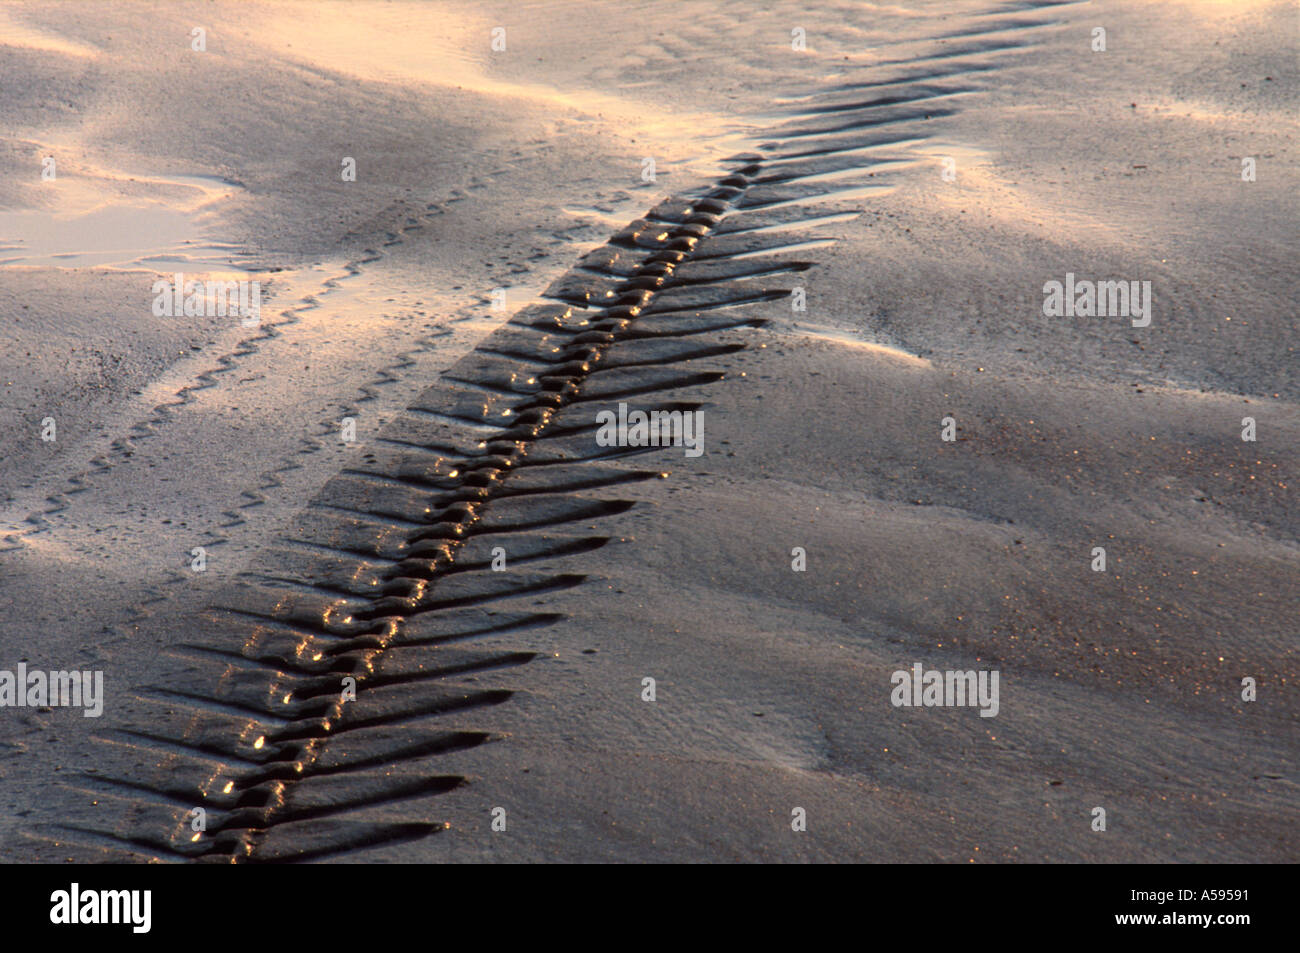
(478, 171)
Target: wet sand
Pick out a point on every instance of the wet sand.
(823, 431)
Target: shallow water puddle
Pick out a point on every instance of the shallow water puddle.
(95, 226)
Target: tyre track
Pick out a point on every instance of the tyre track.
(164, 414)
(387, 576)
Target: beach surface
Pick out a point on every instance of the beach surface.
(825, 232)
